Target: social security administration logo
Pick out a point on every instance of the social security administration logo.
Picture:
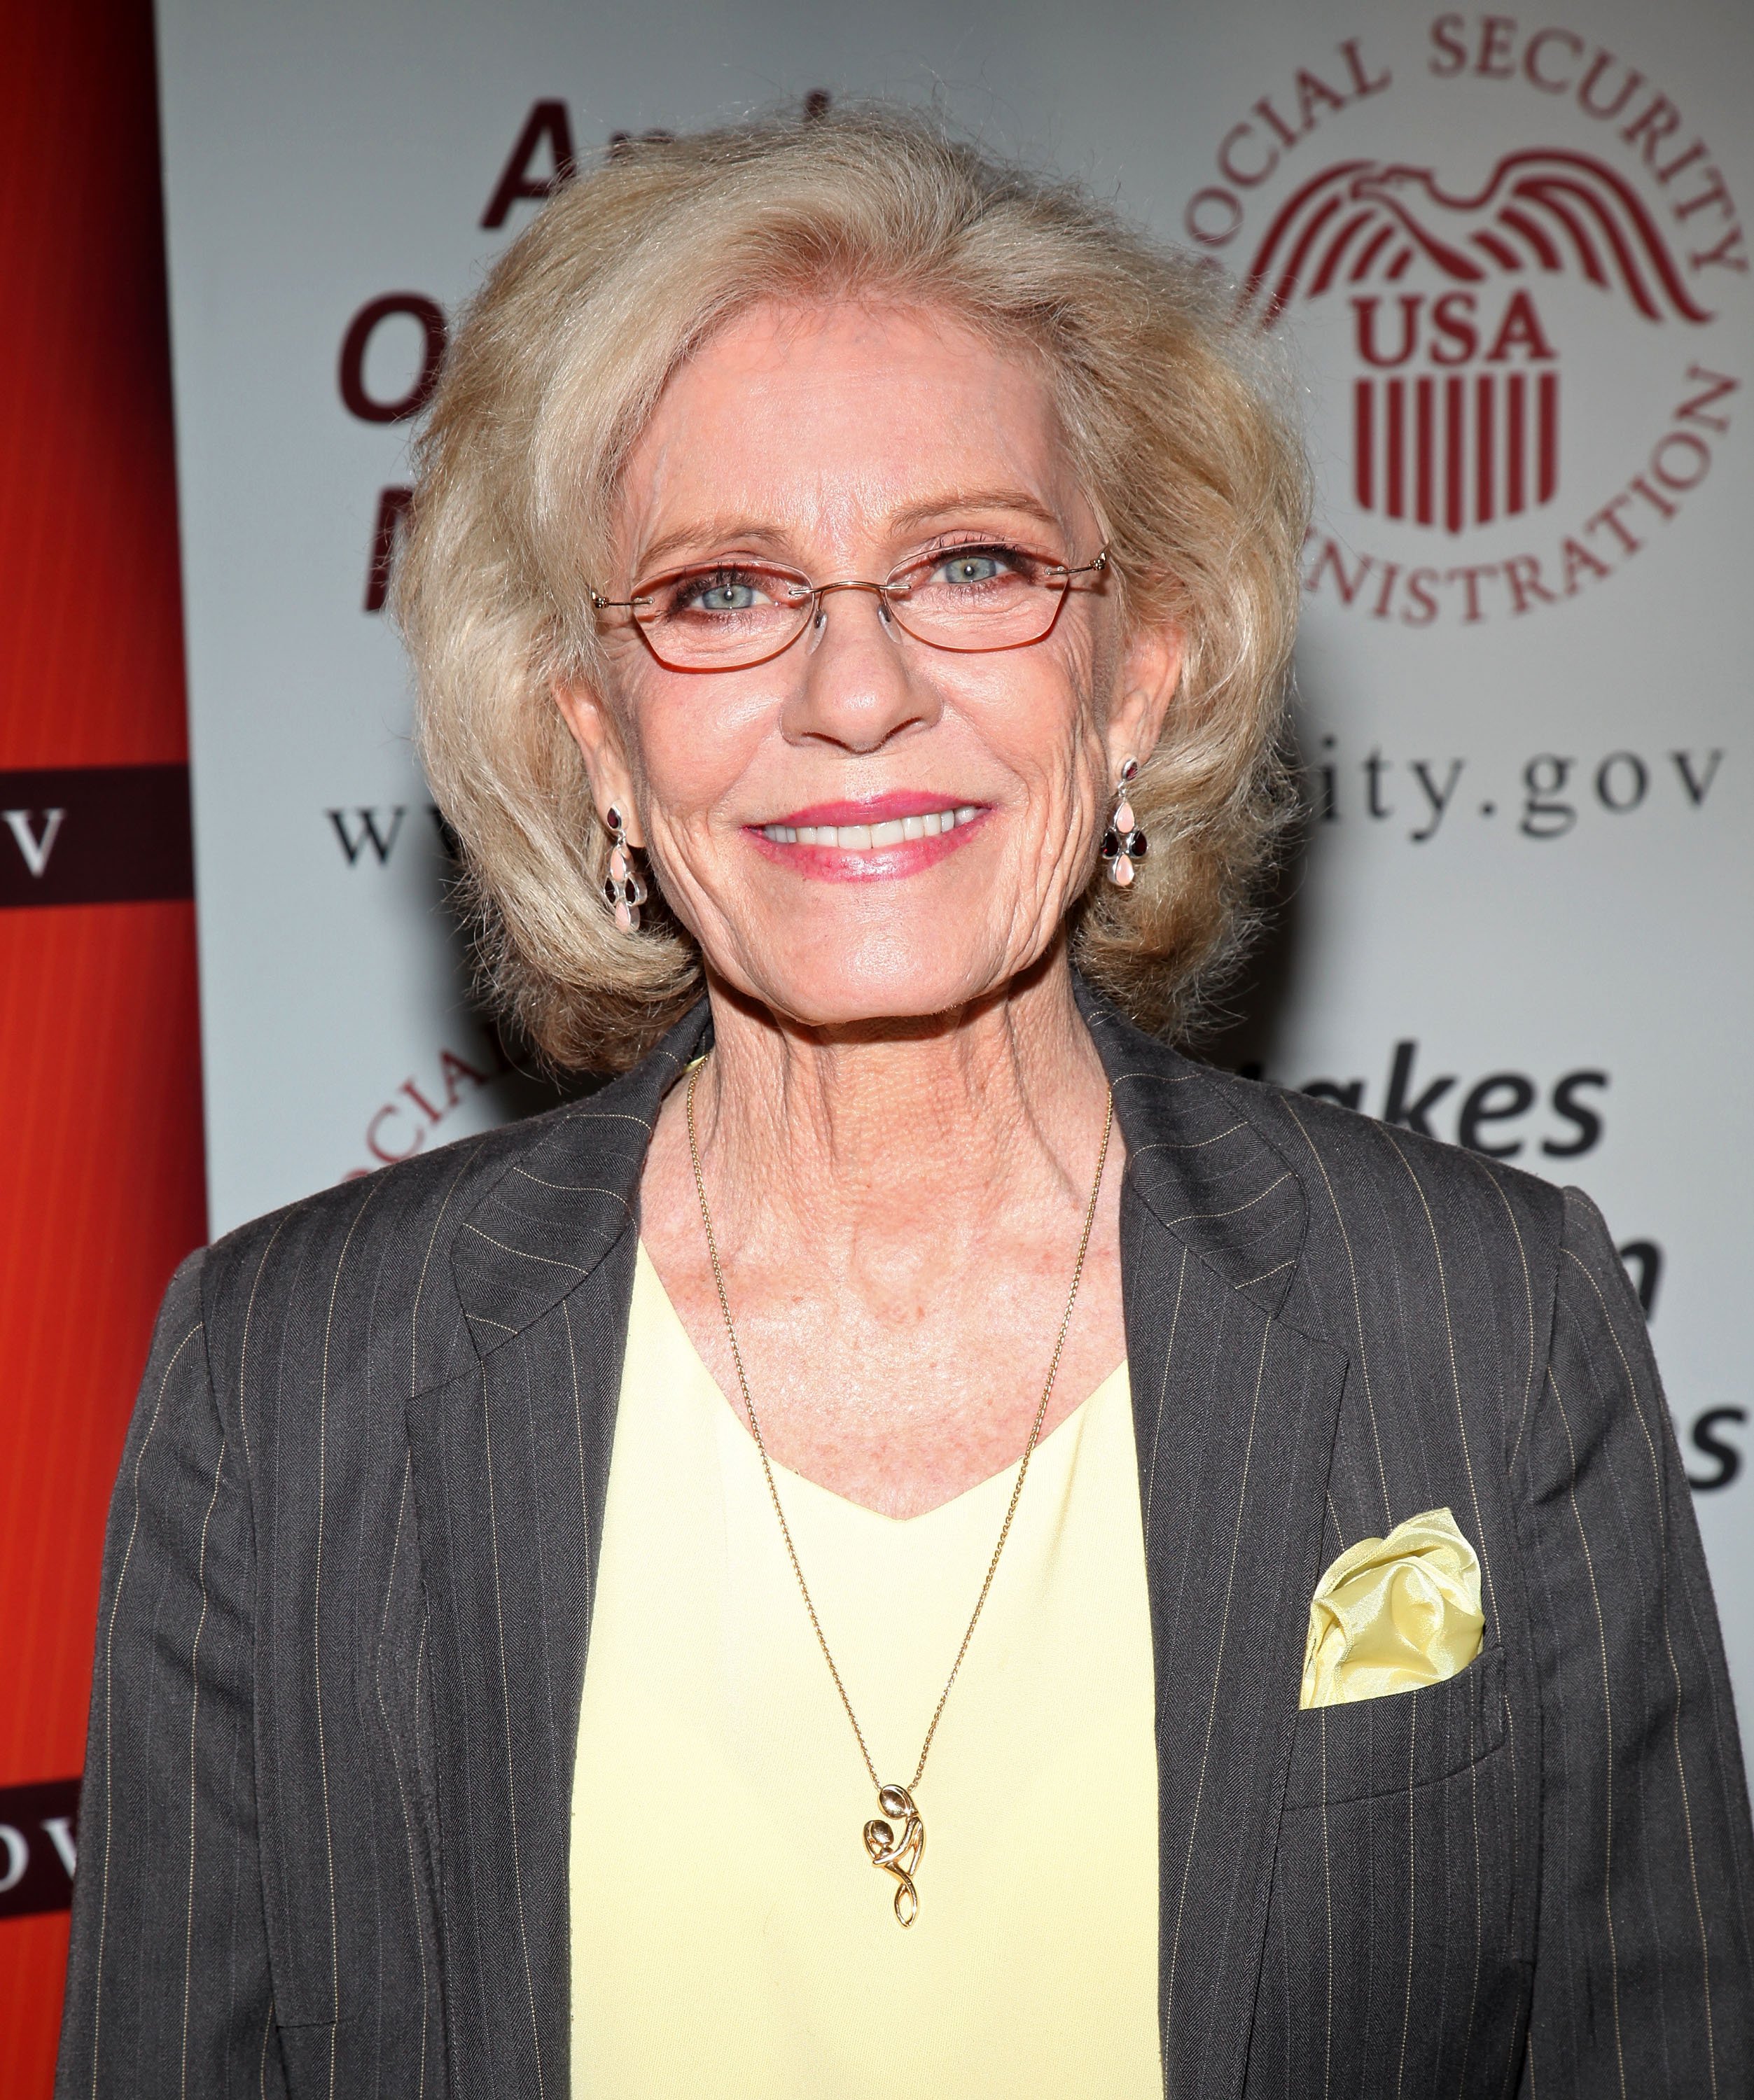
(1482, 347)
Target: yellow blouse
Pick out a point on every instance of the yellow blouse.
(730, 1935)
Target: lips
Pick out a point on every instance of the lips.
(864, 836)
(882, 837)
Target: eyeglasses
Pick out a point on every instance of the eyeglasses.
(730, 615)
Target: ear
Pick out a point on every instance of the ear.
(1149, 672)
(592, 725)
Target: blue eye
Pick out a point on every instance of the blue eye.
(728, 595)
(977, 565)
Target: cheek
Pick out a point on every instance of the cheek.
(689, 747)
(1047, 729)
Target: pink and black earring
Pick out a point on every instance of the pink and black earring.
(1123, 842)
(623, 891)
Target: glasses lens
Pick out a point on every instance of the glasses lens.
(722, 616)
(988, 597)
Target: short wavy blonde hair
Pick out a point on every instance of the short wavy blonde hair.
(1177, 429)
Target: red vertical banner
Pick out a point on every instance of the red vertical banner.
(100, 1150)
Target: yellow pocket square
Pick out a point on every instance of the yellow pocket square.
(1391, 1614)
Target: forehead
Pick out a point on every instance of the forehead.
(838, 422)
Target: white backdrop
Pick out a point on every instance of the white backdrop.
(1510, 256)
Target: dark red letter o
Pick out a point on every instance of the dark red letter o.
(357, 340)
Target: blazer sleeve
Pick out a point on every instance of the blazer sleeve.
(167, 1985)
(1642, 1981)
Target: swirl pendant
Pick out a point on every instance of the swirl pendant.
(898, 1855)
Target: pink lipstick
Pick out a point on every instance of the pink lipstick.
(878, 838)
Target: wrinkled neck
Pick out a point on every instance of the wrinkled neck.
(926, 1129)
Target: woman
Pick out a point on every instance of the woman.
(917, 1542)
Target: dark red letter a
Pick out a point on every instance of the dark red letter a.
(546, 120)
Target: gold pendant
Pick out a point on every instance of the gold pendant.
(898, 1855)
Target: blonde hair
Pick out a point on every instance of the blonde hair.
(1176, 429)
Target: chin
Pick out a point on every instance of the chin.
(872, 973)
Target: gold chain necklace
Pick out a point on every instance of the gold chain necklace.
(895, 1852)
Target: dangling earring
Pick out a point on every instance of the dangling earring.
(1123, 842)
(623, 891)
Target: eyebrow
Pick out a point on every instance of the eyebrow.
(732, 527)
(726, 530)
(932, 508)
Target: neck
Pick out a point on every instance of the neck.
(901, 1134)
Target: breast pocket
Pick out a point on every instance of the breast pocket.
(1406, 1739)
(1394, 1944)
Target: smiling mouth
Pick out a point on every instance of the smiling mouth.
(873, 838)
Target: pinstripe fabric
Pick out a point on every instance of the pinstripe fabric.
(347, 1586)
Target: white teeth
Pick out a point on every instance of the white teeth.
(865, 838)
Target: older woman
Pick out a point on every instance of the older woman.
(917, 1542)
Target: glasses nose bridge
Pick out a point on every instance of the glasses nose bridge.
(880, 591)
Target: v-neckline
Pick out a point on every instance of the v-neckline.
(646, 1271)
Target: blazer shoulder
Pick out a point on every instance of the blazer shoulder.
(403, 1200)
(352, 1256)
(1393, 1178)
(436, 1259)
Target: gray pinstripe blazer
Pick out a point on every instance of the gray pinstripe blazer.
(347, 1587)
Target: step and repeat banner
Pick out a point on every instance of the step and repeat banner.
(1508, 255)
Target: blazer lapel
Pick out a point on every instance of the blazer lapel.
(510, 1464)
(1234, 1413)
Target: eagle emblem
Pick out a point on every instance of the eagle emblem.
(1457, 406)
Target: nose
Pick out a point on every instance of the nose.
(860, 687)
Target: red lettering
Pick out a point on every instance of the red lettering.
(452, 1068)
(1470, 582)
(1268, 114)
(1452, 320)
(1628, 87)
(1361, 81)
(1496, 61)
(1579, 563)
(1609, 515)
(547, 124)
(433, 1115)
(392, 515)
(1520, 328)
(1330, 557)
(1695, 152)
(1311, 91)
(1244, 178)
(1445, 33)
(1691, 448)
(1545, 81)
(1714, 192)
(1723, 255)
(429, 316)
(1658, 122)
(1522, 573)
(1365, 311)
(1716, 387)
(1197, 218)
(1660, 504)
(377, 1150)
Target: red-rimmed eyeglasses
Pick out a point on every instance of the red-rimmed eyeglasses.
(731, 614)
